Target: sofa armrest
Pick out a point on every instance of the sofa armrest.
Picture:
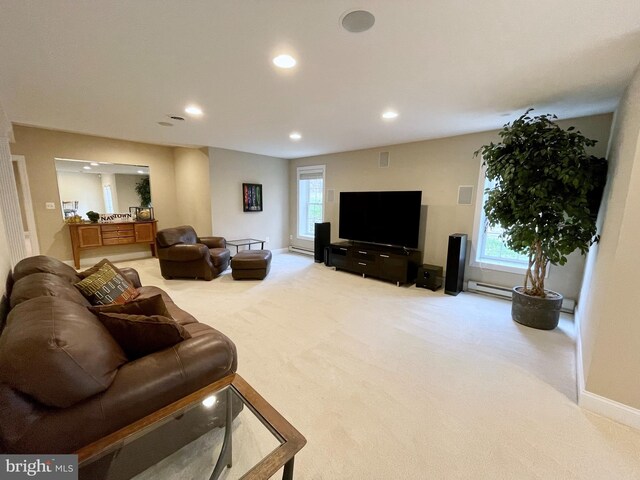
(213, 242)
(131, 274)
(139, 388)
(184, 252)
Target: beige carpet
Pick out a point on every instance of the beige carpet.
(391, 382)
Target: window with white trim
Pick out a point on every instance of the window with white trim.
(489, 249)
(310, 199)
(108, 199)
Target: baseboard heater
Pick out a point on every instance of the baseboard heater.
(568, 305)
(303, 251)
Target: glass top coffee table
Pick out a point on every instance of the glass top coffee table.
(245, 242)
(224, 431)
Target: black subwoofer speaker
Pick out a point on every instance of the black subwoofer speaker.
(429, 276)
(321, 241)
(456, 257)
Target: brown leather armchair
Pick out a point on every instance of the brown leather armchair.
(183, 254)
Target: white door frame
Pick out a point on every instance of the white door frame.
(31, 230)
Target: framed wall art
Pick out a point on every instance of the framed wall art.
(252, 197)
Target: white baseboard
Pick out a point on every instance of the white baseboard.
(596, 403)
(610, 408)
(300, 250)
(279, 250)
(580, 383)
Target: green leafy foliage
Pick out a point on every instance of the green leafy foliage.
(546, 194)
(93, 216)
(143, 189)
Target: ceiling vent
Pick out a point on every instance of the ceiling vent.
(176, 117)
(357, 21)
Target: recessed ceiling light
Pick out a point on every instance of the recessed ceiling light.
(389, 115)
(295, 136)
(140, 171)
(284, 61)
(209, 401)
(193, 110)
(94, 164)
(87, 167)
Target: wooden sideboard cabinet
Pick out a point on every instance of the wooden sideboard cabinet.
(95, 235)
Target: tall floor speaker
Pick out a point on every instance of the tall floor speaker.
(456, 257)
(322, 240)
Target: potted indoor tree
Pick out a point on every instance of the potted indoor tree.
(546, 198)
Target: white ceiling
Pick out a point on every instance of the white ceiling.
(116, 68)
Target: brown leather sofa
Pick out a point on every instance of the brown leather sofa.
(65, 382)
(183, 254)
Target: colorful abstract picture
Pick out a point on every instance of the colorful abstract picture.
(252, 197)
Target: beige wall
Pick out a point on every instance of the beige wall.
(126, 192)
(40, 147)
(193, 188)
(608, 317)
(437, 167)
(229, 170)
(84, 188)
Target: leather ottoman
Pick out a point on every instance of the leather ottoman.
(250, 264)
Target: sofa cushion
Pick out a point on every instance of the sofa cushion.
(57, 352)
(140, 335)
(90, 271)
(179, 315)
(45, 284)
(106, 286)
(153, 305)
(44, 264)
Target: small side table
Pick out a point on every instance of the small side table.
(245, 242)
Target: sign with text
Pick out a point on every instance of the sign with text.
(50, 467)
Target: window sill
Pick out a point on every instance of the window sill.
(305, 237)
(499, 266)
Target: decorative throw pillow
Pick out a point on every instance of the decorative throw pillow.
(149, 306)
(140, 335)
(106, 286)
(90, 271)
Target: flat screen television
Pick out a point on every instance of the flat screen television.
(387, 218)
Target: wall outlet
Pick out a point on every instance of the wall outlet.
(50, 205)
(266, 240)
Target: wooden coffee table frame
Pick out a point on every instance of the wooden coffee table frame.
(291, 440)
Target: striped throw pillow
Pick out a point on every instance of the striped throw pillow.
(106, 286)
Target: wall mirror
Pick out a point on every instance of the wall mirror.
(100, 186)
